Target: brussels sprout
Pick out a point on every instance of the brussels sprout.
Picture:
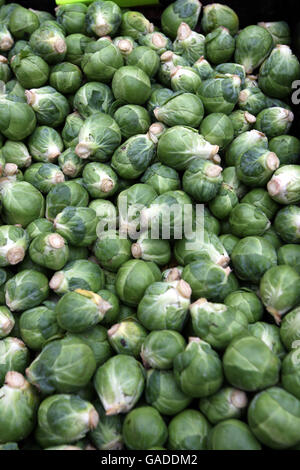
(260, 198)
(217, 129)
(65, 194)
(172, 274)
(179, 11)
(247, 303)
(14, 356)
(287, 149)
(45, 144)
(31, 70)
(290, 255)
(219, 45)
(103, 18)
(243, 143)
(284, 186)
(223, 203)
(220, 94)
(227, 403)
(289, 330)
(165, 306)
(188, 431)
(209, 280)
(250, 365)
(103, 63)
(7, 322)
(230, 178)
(32, 205)
(280, 429)
(162, 178)
(63, 419)
(106, 213)
(156, 41)
(185, 109)
(132, 158)
(70, 306)
(15, 92)
(287, 224)
(90, 99)
(271, 79)
(145, 58)
(158, 251)
(163, 393)
(23, 22)
(252, 100)
(63, 366)
(242, 121)
(135, 24)
(189, 44)
(13, 116)
(185, 79)
(76, 45)
(204, 245)
(100, 180)
(6, 39)
(72, 17)
(158, 98)
(96, 339)
(119, 383)
(108, 433)
(98, 138)
(18, 407)
(274, 122)
(71, 130)
(25, 290)
(112, 250)
(127, 337)
(125, 44)
(139, 274)
(160, 348)
(65, 77)
(180, 145)
(229, 242)
(169, 61)
(49, 250)
(48, 41)
(252, 257)
(132, 120)
(112, 314)
(256, 166)
(217, 324)
(77, 225)
(198, 370)
(232, 434)
(247, 220)
(78, 274)
(253, 45)
(5, 72)
(215, 15)
(167, 215)
(279, 30)
(51, 107)
(17, 153)
(14, 242)
(38, 326)
(270, 335)
(204, 69)
(131, 84)
(277, 300)
(70, 164)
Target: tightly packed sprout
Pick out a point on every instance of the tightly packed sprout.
(149, 230)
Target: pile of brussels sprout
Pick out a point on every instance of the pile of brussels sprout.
(110, 341)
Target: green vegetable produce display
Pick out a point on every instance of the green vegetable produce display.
(149, 228)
